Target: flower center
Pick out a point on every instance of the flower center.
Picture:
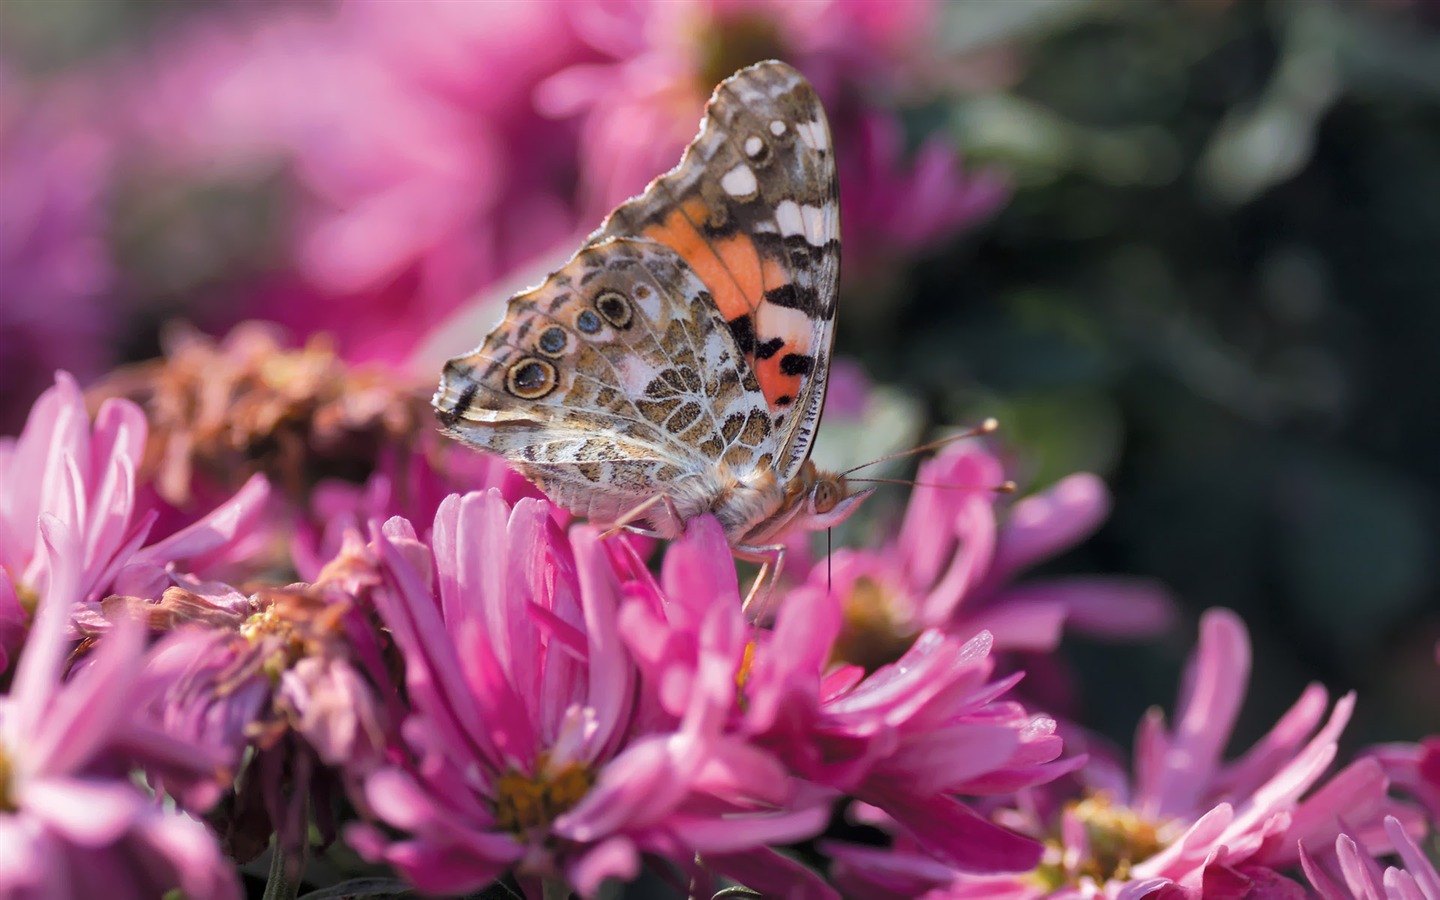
(1118, 837)
(279, 634)
(872, 634)
(7, 802)
(27, 596)
(525, 802)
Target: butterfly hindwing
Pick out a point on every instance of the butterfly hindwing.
(753, 210)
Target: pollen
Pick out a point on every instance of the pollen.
(1119, 839)
(7, 773)
(526, 802)
(278, 635)
(873, 634)
(742, 675)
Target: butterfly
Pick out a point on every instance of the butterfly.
(676, 365)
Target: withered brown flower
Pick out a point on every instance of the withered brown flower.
(222, 410)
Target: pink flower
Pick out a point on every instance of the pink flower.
(85, 476)
(1361, 877)
(71, 823)
(292, 682)
(530, 746)
(1413, 768)
(1186, 823)
(640, 108)
(906, 738)
(951, 565)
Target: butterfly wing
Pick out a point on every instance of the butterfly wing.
(753, 210)
(613, 379)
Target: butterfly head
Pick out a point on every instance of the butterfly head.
(822, 499)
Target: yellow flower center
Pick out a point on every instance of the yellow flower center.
(872, 634)
(7, 801)
(270, 625)
(526, 802)
(1119, 839)
(28, 597)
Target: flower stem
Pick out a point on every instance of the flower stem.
(554, 889)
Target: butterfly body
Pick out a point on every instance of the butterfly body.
(676, 365)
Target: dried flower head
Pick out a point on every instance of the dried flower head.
(222, 410)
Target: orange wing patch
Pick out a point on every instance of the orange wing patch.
(738, 276)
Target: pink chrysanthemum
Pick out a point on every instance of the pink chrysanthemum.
(71, 822)
(528, 749)
(85, 475)
(907, 738)
(956, 554)
(291, 681)
(1187, 824)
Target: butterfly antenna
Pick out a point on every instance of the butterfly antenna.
(988, 426)
(1004, 487)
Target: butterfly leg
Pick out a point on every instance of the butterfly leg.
(636, 512)
(772, 559)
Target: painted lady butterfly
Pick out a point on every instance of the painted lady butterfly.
(676, 365)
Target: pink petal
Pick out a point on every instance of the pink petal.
(1361, 873)
(1191, 848)
(1042, 525)
(85, 714)
(637, 788)
(218, 529)
(958, 836)
(1022, 622)
(745, 831)
(613, 858)
(91, 813)
(772, 875)
(1244, 775)
(38, 672)
(1116, 608)
(1427, 879)
(1357, 793)
(611, 674)
(1211, 693)
(395, 797)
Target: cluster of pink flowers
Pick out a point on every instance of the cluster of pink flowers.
(425, 159)
(247, 599)
(505, 696)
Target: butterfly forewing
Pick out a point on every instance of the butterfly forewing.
(753, 209)
(614, 377)
(682, 353)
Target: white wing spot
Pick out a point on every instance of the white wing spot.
(810, 221)
(739, 181)
(753, 145)
(817, 225)
(813, 135)
(787, 216)
(777, 127)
